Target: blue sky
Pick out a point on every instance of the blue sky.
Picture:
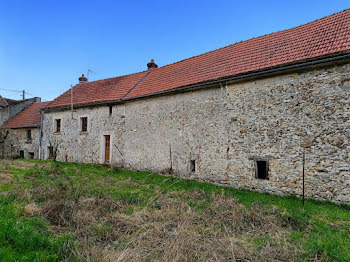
(46, 45)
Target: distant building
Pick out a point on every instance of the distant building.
(9, 107)
(21, 134)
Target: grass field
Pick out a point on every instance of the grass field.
(72, 212)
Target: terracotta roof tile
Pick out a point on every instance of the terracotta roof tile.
(327, 36)
(29, 117)
(110, 89)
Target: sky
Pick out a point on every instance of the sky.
(46, 45)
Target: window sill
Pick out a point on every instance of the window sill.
(28, 141)
(84, 132)
(57, 133)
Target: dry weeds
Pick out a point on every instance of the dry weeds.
(32, 209)
(5, 176)
(23, 164)
(173, 226)
(166, 229)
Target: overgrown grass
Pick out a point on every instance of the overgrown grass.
(65, 211)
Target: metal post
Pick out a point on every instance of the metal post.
(171, 159)
(24, 94)
(304, 178)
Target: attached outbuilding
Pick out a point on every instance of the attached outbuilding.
(21, 134)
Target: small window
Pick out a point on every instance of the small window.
(29, 135)
(21, 154)
(110, 110)
(262, 169)
(193, 166)
(31, 155)
(84, 122)
(58, 126)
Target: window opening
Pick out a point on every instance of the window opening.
(193, 166)
(262, 169)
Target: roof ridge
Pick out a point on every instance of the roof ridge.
(111, 78)
(260, 36)
(282, 30)
(325, 36)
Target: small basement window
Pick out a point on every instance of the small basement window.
(21, 154)
(262, 169)
(29, 135)
(84, 123)
(110, 110)
(58, 126)
(193, 166)
(31, 155)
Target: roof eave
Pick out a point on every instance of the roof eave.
(19, 127)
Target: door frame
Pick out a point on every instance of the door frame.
(103, 147)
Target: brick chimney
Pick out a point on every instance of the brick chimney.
(82, 79)
(151, 65)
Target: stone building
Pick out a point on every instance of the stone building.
(9, 107)
(21, 134)
(242, 115)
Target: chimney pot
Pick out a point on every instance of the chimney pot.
(151, 65)
(82, 79)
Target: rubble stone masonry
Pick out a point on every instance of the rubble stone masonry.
(216, 134)
(17, 141)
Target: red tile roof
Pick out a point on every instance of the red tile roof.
(29, 117)
(324, 37)
(110, 89)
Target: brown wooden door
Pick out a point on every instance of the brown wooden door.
(107, 148)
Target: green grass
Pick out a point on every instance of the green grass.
(27, 239)
(321, 228)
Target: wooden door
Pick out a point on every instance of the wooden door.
(107, 148)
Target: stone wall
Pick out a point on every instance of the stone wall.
(84, 147)
(275, 117)
(16, 141)
(224, 130)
